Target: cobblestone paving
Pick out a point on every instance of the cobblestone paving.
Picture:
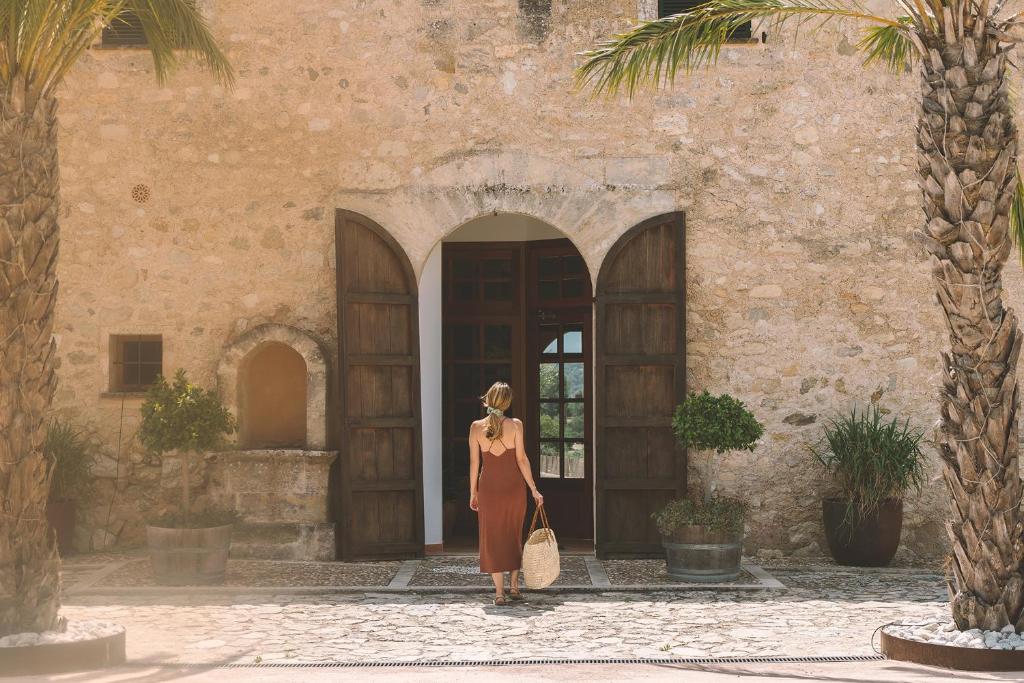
(651, 572)
(274, 573)
(824, 611)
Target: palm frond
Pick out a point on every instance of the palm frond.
(890, 45)
(655, 51)
(1017, 218)
(177, 26)
(41, 40)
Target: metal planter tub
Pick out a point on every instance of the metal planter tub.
(951, 656)
(187, 557)
(698, 554)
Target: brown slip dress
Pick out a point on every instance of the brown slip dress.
(501, 499)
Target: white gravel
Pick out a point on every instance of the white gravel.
(947, 634)
(77, 631)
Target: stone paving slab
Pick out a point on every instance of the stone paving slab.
(822, 612)
(268, 573)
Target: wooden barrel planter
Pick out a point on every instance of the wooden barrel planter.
(698, 554)
(871, 542)
(185, 557)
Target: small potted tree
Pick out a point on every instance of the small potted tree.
(873, 463)
(72, 453)
(703, 534)
(179, 418)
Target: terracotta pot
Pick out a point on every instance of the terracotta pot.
(185, 557)
(61, 516)
(696, 553)
(871, 541)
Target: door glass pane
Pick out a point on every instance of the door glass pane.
(467, 382)
(497, 267)
(573, 380)
(465, 413)
(573, 265)
(549, 380)
(465, 268)
(497, 341)
(572, 289)
(498, 291)
(550, 467)
(574, 420)
(549, 290)
(549, 339)
(572, 340)
(464, 342)
(465, 291)
(495, 372)
(574, 460)
(549, 266)
(549, 418)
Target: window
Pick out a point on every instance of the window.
(667, 8)
(135, 361)
(125, 29)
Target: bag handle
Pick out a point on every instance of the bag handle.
(543, 518)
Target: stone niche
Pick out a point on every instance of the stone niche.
(273, 379)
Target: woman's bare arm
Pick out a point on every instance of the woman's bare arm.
(524, 462)
(474, 465)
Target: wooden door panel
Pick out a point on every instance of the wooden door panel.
(640, 390)
(655, 322)
(641, 376)
(378, 476)
(378, 329)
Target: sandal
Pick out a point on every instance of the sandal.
(502, 601)
(515, 595)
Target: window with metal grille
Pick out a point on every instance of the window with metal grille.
(135, 361)
(125, 29)
(667, 8)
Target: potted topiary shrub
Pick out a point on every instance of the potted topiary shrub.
(873, 463)
(179, 418)
(703, 534)
(72, 453)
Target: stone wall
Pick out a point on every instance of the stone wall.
(794, 164)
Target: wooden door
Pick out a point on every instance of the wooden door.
(641, 377)
(379, 475)
(482, 344)
(558, 431)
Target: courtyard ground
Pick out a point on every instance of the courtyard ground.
(390, 615)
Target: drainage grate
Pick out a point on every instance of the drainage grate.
(455, 663)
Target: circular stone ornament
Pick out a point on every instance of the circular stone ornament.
(951, 656)
(140, 193)
(86, 647)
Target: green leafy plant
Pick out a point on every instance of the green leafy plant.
(185, 418)
(715, 424)
(72, 452)
(871, 459)
(718, 514)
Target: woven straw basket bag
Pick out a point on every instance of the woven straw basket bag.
(541, 564)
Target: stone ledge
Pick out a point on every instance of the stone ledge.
(277, 454)
(277, 541)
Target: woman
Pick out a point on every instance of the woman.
(497, 493)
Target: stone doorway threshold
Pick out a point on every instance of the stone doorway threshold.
(129, 574)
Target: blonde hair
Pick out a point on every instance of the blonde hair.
(497, 400)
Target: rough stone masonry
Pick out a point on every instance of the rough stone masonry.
(196, 212)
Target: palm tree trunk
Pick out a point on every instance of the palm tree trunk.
(29, 564)
(967, 144)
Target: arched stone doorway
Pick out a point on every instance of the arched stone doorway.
(513, 296)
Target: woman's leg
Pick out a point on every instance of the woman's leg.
(499, 584)
(513, 582)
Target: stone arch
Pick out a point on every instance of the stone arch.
(231, 372)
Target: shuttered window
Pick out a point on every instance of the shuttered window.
(126, 29)
(667, 8)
